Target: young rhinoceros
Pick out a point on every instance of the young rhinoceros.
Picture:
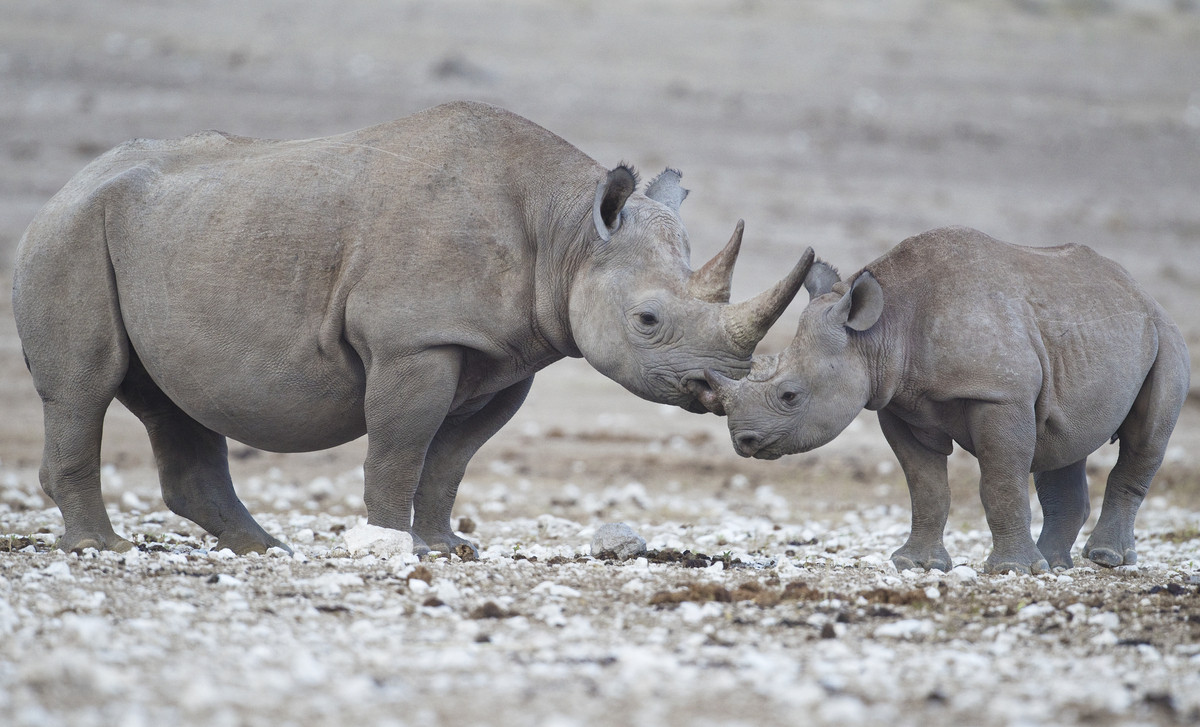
(1028, 358)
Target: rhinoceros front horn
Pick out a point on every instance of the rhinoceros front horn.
(711, 282)
(747, 322)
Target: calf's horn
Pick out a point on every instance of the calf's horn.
(747, 322)
(711, 282)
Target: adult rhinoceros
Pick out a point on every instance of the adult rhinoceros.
(404, 281)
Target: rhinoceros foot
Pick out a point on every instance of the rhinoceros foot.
(1110, 557)
(1023, 560)
(1111, 545)
(916, 557)
(447, 543)
(78, 542)
(243, 542)
(1058, 559)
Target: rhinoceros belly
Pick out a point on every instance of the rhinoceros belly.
(260, 379)
(276, 408)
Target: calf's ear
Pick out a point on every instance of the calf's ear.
(820, 279)
(861, 306)
(611, 194)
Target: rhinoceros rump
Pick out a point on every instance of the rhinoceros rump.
(404, 281)
(1028, 358)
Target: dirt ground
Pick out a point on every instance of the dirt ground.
(845, 126)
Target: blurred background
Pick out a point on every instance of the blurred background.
(846, 126)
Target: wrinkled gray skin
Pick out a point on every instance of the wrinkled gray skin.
(404, 281)
(1028, 358)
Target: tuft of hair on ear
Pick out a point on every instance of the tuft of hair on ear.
(665, 174)
(637, 179)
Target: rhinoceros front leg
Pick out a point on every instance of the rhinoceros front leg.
(406, 403)
(193, 466)
(1063, 494)
(446, 461)
(929, 492)
(1005, 437)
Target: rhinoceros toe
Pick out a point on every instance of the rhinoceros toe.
(1110, 557)
(447, 543)
(79, 542)
(243, 542)
(1000, 565)
(909, 559)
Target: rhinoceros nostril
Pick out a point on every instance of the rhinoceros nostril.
(747, 443)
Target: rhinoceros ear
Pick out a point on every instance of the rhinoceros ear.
(611, 193)
(665, 189)
(861, 305)
(820, 279)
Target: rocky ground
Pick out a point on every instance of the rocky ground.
(766, 596)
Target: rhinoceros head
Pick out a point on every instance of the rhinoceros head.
(805, 396)
(639, 313)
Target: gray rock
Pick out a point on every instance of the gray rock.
(617, 541)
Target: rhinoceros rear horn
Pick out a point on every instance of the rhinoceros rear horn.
(611, 193)
(711, 282)
(747, 322)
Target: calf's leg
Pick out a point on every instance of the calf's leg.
(446, 461)
(929, 491)
(1004, 438)
(1143, 435)
(1063, 494)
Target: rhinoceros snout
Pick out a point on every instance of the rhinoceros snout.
(747, 443)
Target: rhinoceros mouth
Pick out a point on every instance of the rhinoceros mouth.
(704, 396)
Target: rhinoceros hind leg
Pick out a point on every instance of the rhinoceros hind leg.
(452, 448)
(1144, 435)
(70, 475)
(193, 466)
(1063, 494)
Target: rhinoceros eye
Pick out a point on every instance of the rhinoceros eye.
(647, 319)
(789, 396)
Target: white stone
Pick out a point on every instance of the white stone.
(1105, 620)
(366, 539)
(964, 574)
(619, 540)
(1035, 610)
(58, 569)
(905, 629)
(556, 589)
